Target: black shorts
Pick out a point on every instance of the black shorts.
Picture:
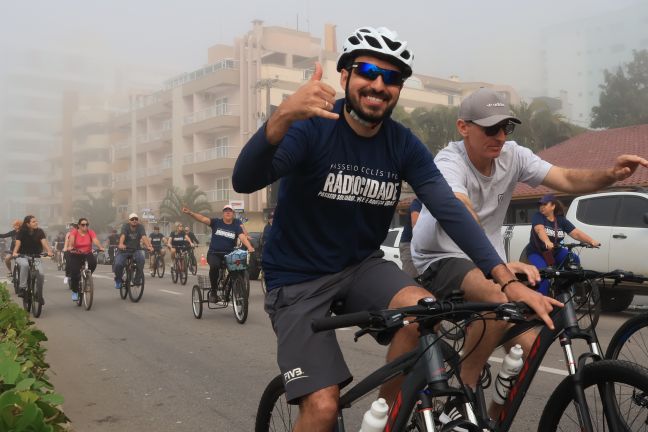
(446, 275)
(312, 361)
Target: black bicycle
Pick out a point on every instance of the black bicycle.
(132, 279)
(596, 395)
(32, 295)
(179, 269)
(192, 264)
(15, 277)
(158, 264)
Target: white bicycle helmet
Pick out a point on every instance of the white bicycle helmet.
(381, 42)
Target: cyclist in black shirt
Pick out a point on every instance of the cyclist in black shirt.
(111, 245)
(30, 240)
(157, 241)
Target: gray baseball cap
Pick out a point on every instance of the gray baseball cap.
(485, 108)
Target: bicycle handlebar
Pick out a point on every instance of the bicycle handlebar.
(427, 308)
(583, 274)
(40, 255)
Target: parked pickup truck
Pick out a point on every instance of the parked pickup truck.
(619, 220)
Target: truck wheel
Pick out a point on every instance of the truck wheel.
(616, 301)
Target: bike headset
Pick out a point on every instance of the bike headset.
(377, 42)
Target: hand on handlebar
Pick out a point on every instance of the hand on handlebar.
(530, 271)
(541, 305)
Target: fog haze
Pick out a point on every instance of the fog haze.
(478, 41)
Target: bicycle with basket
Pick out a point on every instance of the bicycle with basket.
(231, 288)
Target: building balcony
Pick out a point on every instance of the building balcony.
(222, 73)
(122, 181)
(211, 160)
(152, 176)
(212, 119)
(123, 150)
(155, 140)
(92, 168)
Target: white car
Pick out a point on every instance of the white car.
(390, 246)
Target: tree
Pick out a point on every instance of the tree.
(624, 95)
(435, 127)
(540, 127)
(193, 198)
(99, 210)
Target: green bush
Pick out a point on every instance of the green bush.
(27, 399)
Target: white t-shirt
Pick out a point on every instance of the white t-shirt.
(490, 197)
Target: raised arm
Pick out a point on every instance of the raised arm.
(574, 180)
(200, 218)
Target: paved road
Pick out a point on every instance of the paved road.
(151, 365)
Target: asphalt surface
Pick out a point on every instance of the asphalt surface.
(151, 365)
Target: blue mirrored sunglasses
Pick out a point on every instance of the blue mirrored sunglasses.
(371, 72)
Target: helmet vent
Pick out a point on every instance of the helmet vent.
(354, 40)
(405, 54)
(373, 42)
(391, 44)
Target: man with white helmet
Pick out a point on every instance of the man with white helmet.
(342, 163)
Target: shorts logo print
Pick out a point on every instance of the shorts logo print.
(294, 374)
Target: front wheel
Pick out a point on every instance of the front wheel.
(196, 301)
(88, 291)
(126, 282)
(183, 272)
(630, 341)
(136, 291)
(160, 266)
(193, 265)
(16, 278)
(174, 271)
(239, 299)
(616, 394)
(37, 297)
(274, 412)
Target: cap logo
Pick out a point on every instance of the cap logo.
(496, 104)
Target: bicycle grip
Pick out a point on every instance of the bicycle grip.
(339, 321)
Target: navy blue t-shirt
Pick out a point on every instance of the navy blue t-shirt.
(338, 193)
(415, 206)
(563, 225)
(223, 239)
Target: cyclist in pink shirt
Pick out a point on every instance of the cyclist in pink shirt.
(80, 247)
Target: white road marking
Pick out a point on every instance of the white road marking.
(171, 292)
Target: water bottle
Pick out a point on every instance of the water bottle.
(510, 369)
(375, 418)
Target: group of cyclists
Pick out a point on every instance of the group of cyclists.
(76, 246)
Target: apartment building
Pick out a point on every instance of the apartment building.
(191, 131)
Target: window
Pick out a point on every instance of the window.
(598, 211)
(632, 211)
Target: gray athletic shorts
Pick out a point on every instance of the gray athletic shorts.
(444, 276)
(312, 361)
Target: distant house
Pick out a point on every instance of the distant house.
(596, 149)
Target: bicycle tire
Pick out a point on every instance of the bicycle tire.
(193, 265)
(135, 292)
(160, 266)
(264, 289)
(15, 278)
(630, 341)
(274, 413)
(184, 273)
(196, 301)
(27, 296)
(174, 271)
(125, 286)
(88, 291)
(36, 298)
(587, 302)
(239, 299)
(612, 377)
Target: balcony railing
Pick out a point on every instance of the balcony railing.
(121, 177)
(213, 111)
(215, 195)
(213, 153)
(199, 73)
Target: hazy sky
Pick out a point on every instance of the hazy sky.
(493, 41)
